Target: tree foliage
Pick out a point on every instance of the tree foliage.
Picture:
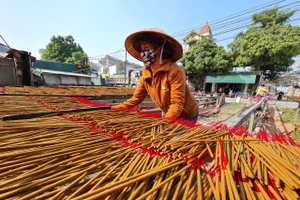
(65, 49)
(269, 44)
(205, 58)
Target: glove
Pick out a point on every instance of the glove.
(117, 107)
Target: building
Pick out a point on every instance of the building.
(191, 39)
(243, 82)
(15, 67)
(109, 61)
(110, 65)
(53, 77)
(57, 73)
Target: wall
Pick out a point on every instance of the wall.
(51, 79)
(7, 72)
(84, 81)
(58, 79)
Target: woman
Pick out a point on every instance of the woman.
(162, 78)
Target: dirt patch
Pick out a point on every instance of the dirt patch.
(274, 123)
(287, 116)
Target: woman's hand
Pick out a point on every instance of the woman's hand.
(117, 107)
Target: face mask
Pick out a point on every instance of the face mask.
(148, 57)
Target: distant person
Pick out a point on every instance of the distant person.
(262, 91)
(280, 94)
(162, 79)
(290, 91)
(230, 93)
(223, 89)
(226, 90)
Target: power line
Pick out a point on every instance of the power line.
(223, 23)
(244, 19)
(247, 11)
(115, 52)
(231, 22)
(245, 25)
(232, 37)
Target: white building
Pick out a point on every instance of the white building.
(192, 37)
(108, 66)
(111, 65)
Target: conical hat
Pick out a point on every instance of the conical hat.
(156, 37)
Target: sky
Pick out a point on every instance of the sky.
(102, 26)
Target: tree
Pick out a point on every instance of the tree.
(65, 49)
(205, 58)
(269, 44)
(81, 60)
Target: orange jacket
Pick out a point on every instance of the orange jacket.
(168, 89)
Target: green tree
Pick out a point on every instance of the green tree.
(81, 60)
(269, 44)
(65, 49)
(205, 58)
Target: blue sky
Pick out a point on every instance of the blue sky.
(101, 27)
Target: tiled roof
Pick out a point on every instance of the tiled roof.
(205, 29)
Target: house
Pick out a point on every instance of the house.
(193, 36)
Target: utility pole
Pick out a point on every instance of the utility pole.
(125, 67)
(4, 41)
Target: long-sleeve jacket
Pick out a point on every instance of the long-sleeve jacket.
(262, 91)
(167, 87)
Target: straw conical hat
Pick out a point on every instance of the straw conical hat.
(156, 37)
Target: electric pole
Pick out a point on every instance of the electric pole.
(125, 67)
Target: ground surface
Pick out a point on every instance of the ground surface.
(282, 103)
(288, 117)
(229, 110)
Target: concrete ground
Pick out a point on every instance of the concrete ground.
(227, 111)
(282, 103)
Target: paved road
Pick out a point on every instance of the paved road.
(282, 103)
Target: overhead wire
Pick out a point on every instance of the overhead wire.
(272, 3)
(221, 24)
(230, 29)
(232, 22)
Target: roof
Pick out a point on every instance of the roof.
(232, 77)
(38, 72)
(56, 66)
(205, 29)
(190, 34)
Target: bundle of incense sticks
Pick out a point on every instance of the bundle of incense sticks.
(124, 155)
(64, 90)
(14, 105)
(121, 155)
